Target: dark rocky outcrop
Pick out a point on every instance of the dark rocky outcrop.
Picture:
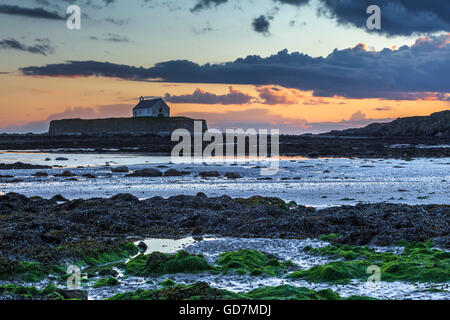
(209, 174)
(65, 173)
(20, 165)
(175, 173)
(434, 125)
(232, 175)
(41, 174)
(31, 228)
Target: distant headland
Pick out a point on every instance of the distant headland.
(435, 125)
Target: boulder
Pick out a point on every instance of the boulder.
(41, 174)
(175, 173)
(59, 198)
(142, 246)
(205, 174)
(233, 175)
(122, 169)
(66, 173)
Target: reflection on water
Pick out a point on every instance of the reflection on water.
(166, 245)
(312, 182)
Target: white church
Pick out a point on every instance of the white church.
(151, 108)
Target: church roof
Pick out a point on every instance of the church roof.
(144, 104)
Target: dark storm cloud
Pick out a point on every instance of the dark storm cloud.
(293, 2)
(261, 24)
(398, 17)
(405, 73)
(41, 47)
(202, 97)
(205, 4)
(30, 12)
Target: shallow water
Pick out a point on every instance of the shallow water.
(284, 249)
(311, 182)
(166, 245)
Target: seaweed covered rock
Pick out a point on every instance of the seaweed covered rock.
(26, 270)
(203, 291)
(172, 291)
(329, 237)
(251, 262)
(158, 263)
(287, 292)
(106, 282)
(335, 272)
(418, 262)
(101, 255)
(16, 292)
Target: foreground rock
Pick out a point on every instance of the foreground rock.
(31, 228)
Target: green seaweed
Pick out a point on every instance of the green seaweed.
(32, 293)
(196, 291)
(99, 256)
(106, 282)
(335, 272)
(418, 262)
(158, 263)
(27, 271)
(251, 262)
(203, 291)
(330, 236)
(287, 292)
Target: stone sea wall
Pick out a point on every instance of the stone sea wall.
(122, 126)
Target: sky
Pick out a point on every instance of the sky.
(301, 66)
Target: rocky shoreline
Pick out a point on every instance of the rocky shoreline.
(305, 145)
(53, 230)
